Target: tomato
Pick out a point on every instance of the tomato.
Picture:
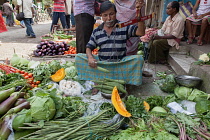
(30, 75)
(26, 76)
(38, 82)
(22, 72)
(17, 71)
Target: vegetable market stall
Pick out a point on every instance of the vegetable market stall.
(46, 100)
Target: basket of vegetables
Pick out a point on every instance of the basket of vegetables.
(47, 37)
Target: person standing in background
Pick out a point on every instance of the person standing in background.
(68, 12)
(8, 12)
(2, 24)
(84, 18)
(126, 11)
(28, 11)
(59, 13)
(73, 26)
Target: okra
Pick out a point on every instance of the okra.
(119, 86)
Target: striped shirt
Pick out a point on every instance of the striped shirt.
(113, 47)
(84, 6)
(59, 6)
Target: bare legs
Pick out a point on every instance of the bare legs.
(191, 31)
(204, 25)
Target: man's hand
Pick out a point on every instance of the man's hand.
(139, 4)
(92, 62)
(200, 16)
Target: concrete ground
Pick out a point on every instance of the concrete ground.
(15, 39)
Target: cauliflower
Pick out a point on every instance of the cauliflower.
(204, 57)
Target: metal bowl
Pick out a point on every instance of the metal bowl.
(188, 81)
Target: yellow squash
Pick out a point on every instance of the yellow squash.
(146, 106)
(118, 104)
(59, 75)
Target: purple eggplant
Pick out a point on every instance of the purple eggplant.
(20, 101)
(6, 93)
(8, 103)
(5, 131)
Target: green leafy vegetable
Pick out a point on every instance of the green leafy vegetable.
(182, 92)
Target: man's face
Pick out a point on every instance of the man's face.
(170, 10)
(109, 17)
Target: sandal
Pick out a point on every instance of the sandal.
(190, 40)
(199, 41)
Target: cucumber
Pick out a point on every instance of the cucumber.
(105, 91)
(103, 69)
(104, 87)
(119, 86)
(115, 80)
(110, 87)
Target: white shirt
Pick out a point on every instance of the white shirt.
(27, 5)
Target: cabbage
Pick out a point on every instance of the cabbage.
(15, 59)
(23, 62)
(42, 108)
(196, 94)
(182, 92)
(32, 64)
(167, 84)
(71, 72)
(159, 109)
(23, 116)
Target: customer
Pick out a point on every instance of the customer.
(126, 11)
(68, 13)
(84, 18)
(173, 29)
(2, 24)
(59, 13)
(28, 11)
(8, 12)
(199, 17)
(111, 41)
(73, 26)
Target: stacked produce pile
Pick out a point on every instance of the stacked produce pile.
(55, 108)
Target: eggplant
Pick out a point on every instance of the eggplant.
(40, 53)
(60, 49)
(6, 93)
(16, 109)
(51, 42)
(5, 131)
(19, 101)
(46, 42)
(53, 51)
(39, 46)
(41, 43)
(44, 47)
(8, 103)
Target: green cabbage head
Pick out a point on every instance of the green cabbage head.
(182, 92)
(42, 108)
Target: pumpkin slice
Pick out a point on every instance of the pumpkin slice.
(118, 103)
(59, 75)
(146, 106)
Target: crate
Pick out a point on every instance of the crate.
(66, 57)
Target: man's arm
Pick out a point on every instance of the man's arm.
(141, 26)
(92, 62)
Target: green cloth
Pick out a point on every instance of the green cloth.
(158, 50)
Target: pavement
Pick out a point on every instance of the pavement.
(15, 40)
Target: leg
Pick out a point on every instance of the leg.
(157, 50)
(54, 20)
(204, 25)
(68, 21)
(190, 32)
(84, 28)
(63, 19)
(72, 22)
(29, 30)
